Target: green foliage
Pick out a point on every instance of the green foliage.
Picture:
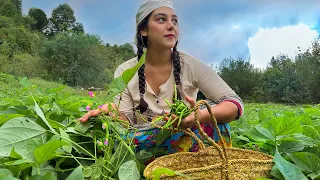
(40, 17)
(63, 20)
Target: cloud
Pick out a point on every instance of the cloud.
(271, 42)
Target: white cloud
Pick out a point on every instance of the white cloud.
(271, 42)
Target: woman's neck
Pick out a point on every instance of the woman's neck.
(158, 58)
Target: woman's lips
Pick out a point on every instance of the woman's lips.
(169, 36)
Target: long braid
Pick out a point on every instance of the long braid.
(177, 68)
(141, 43)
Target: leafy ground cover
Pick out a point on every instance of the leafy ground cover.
(40, 137)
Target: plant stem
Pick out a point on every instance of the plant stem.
(79, 147)
(91, 159)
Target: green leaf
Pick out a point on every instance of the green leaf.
(5, 172)
(310, 131)
(290, 145)
(87, 172)
(41, 115)
(129, 171)
(162, 135)
(6, 117)
(306, 161)
(66, 136)
(265, 132)
(76, 174)
(55, 124)
(128, 74)
(47, 150)
(14, 154)
(82, 127)
(16, 132)
(276, 173)
(284, 125)
(161, 171)
(49, 176)
(287, 169)
(18, 162)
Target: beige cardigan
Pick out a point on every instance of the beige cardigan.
(195, 75)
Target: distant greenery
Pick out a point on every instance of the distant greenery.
(57, 49)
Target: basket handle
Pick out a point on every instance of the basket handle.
(223, 151)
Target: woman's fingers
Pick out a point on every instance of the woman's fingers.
(191, 101)
(89, 114)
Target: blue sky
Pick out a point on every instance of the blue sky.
(211, 30)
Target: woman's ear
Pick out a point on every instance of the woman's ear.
(143, 32)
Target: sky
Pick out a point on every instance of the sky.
(210, 30)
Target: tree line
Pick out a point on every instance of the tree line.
(55, 48)
(58, 49)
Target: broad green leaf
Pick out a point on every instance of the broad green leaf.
(66, 136)
(265, 132)
(306, 161)
(55, 124)
(16, 132)
(5, 172)
(14, 154)
(290, 145)
(287, 169)
(18, 162)
(35, 177)
(276, 173)
(6, 117)
(82, 127)
(161, 171)
(284, 125)
(162, 135)
(87, 172)
(117, 86)
(143, 155)
(129, 171)
(307, 141)
(49, 176)
(129, 73)
(41, 115)
(47, 150)
(76, 174)
(310, 131)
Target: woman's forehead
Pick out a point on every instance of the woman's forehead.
(164, 11)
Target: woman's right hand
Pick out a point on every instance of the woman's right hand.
(93, 113)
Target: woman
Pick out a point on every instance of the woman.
(158, 32)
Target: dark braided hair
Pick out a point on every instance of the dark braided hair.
(142, 42)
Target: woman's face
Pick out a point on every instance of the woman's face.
(163, 30)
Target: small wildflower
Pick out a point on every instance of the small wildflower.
(104, 125)
(91, 94)
(88, 108)
(99, 143)
(100, 106)
(105, 142)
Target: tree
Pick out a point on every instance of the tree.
(63, 20)
(241, 76)
(18, 5)
(76, 58)
(7, 9)
(40, 17)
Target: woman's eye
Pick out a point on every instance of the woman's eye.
(161, 19)
(175, 21)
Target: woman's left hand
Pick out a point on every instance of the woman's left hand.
(188, 121)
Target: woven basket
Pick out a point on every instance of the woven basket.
(214, 162)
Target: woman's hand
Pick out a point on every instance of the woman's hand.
(188, 121)
(93, 113)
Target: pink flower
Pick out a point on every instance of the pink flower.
(100, 106)
(88, 108)
(105, 142)
(91, 94)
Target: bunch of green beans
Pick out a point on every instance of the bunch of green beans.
(178, 108)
